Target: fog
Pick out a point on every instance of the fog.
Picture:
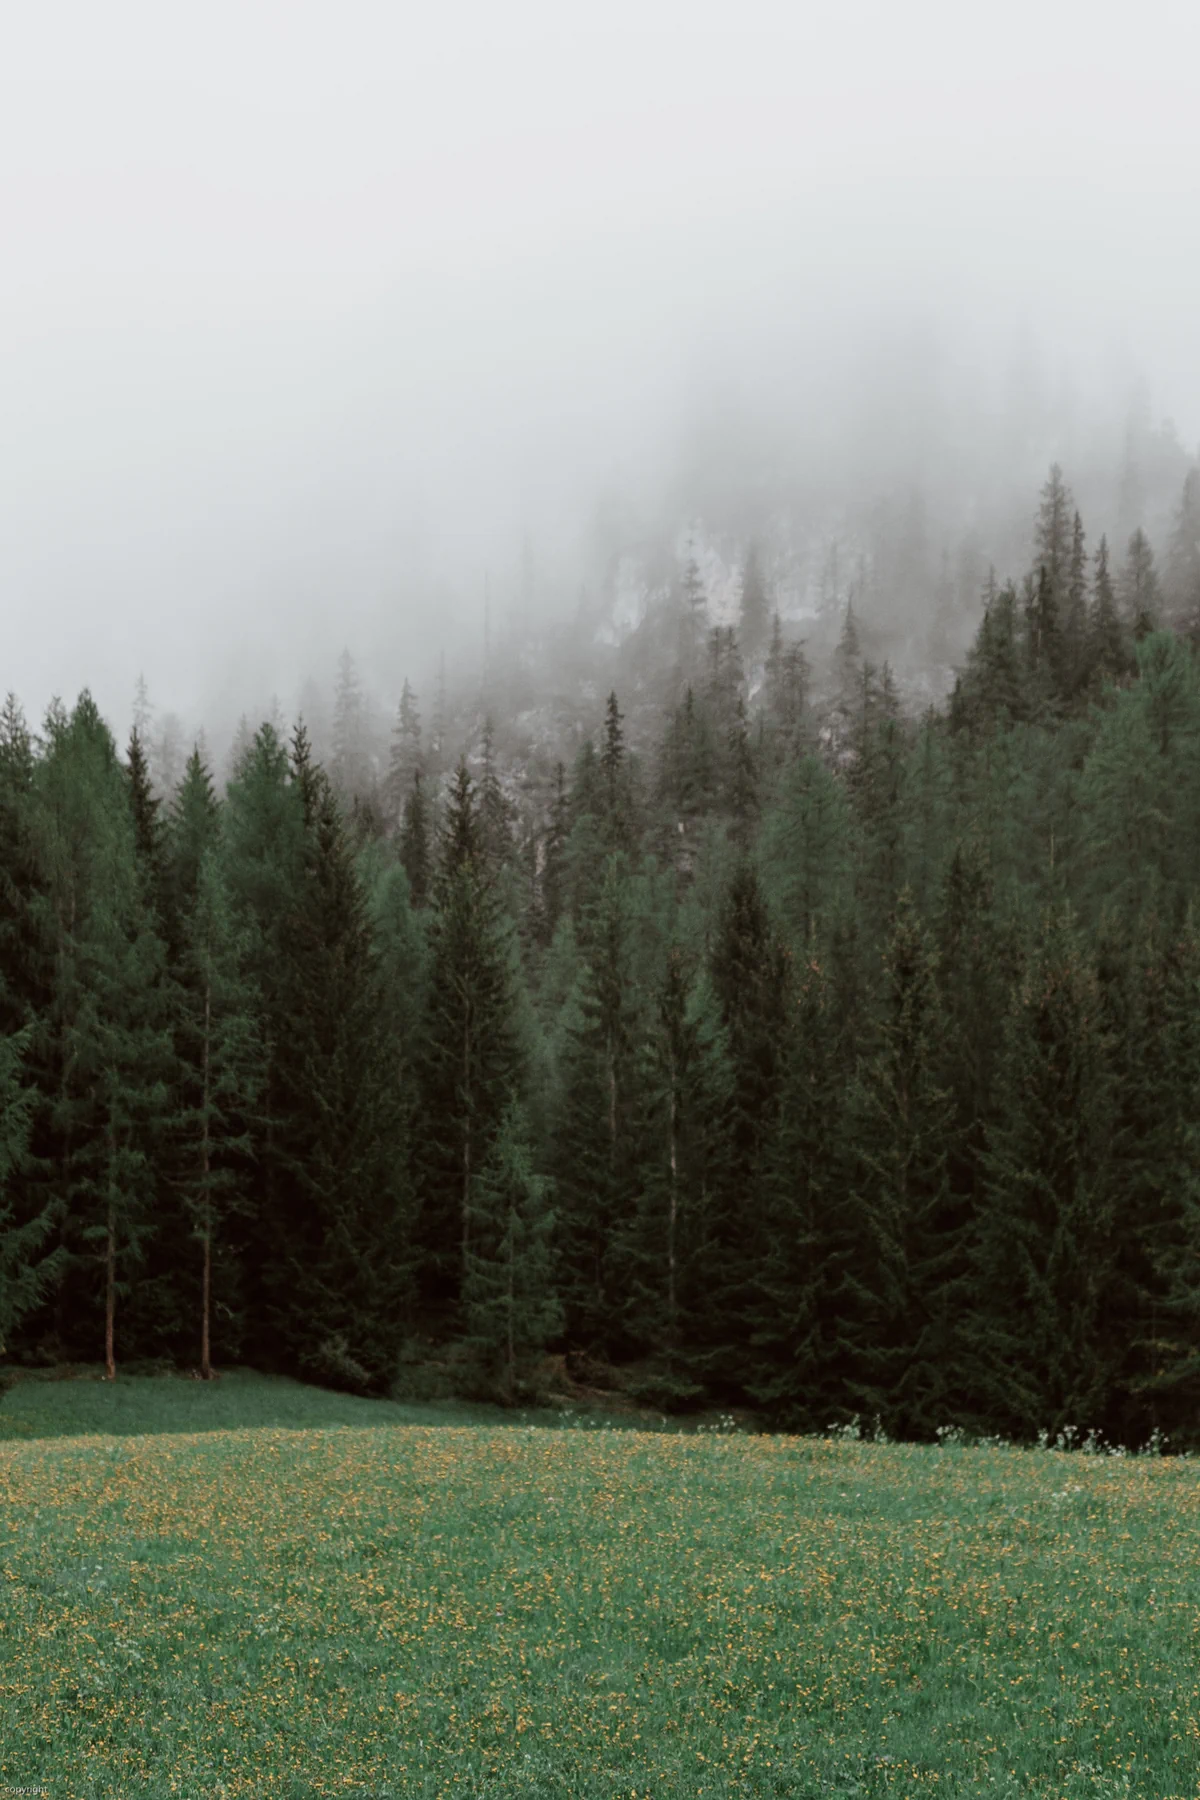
(315, 319)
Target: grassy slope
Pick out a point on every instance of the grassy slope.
(417, 1610)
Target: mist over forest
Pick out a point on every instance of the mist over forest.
(601, 765)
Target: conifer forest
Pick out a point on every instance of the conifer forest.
(775, 1040)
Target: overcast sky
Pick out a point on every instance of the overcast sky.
(308, 313)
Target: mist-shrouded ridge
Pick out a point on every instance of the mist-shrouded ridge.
(304, 342)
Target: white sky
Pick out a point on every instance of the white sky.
(308, 309)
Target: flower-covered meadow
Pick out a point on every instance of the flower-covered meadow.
(441, 1611)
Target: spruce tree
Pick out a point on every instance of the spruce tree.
(906, 1278)
(337, 1273)
(682, 1085)
(219, 1047)
(471, 1058)
(416, 852)
(799, 1286)
(594, 1162)
(25, 1270)
(511, 1307)
(1182, 577)
(749, 970)
(404, 760)
(1138, 592)
(1109, 652)
(1042, 1261)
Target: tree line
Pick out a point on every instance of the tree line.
(814, 1057)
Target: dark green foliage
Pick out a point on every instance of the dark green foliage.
(26, 1268)
(593, 1144)
(470, 1061)
(905, 1279)
(861, 1048)
(416, 850)
(336, 1272)
(1045, 1249)
(510, 1305)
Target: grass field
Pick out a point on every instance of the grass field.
(329, 1598)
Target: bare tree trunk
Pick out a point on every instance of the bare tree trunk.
(206, 1202)
(512, 1348)
(672, 1219)
(466, 1179)
(110, 1292)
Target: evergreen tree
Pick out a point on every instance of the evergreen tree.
(416, 855)
(594, 1164)
(471, 1057)
(1182, 583)
(25, 1272)
(404, 761)
(553, 881)
(350, 767)
(107, 1036)
(338, 1264)
(749, 970)
(495, 810)
(906, 1278)
(683, 1094)
(220, 1066)
(510, 1304)
(1138, 592)
(1043, 1257)
(799, 1287)
(1109, 653)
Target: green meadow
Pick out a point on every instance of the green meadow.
(254, 1588)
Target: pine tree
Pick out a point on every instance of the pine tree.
(742, 780)
(907, 1274)
(992, 690)
(799, 1287)
(553, 875)
(221, 1057)
(805, 851)
(614, 779)
(495, 810)
(416, 855)
(108, 1042)
(1076, 671)
(1182, 583)
(471, 1061)
(337, 1271)
(350, 768)
(683, 1096)
(785, 701)
(405, 759)
(1043, 1257)
(25, 1272)
(749, 971)
(694, 610)
(1053, 534)
(847, 665)
(1110, 657)
(1138, 593)
(594, 1163)
(510, 1303)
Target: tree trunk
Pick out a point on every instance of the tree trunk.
(466, 1179)
(110, 1292)
(512, 1348)
(672, 1218)
(206, 1201)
